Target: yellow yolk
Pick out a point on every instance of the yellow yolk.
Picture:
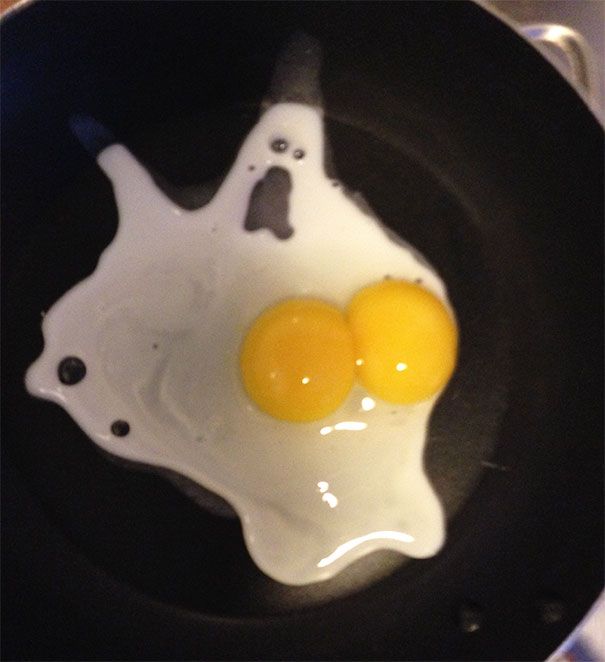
(405, 341)
(297, 361)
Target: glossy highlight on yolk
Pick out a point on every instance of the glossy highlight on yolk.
(300, 357)
(405, 341)
(297, 360)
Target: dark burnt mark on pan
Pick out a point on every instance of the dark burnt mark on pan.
(269, 204)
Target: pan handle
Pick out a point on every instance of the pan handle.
(574, 48)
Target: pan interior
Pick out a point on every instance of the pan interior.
(497, 185)
(157, 540)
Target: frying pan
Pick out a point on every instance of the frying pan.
(465, 142)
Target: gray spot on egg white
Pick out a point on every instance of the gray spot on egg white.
(269, 204)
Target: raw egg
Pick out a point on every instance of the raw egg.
(287, 375)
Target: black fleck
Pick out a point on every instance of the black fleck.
(251, 168)
(155, 345)
(299, 154)
(71, 370)
(120, 428)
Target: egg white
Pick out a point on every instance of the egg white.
(160, 323)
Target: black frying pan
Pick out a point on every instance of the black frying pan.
(462, 139)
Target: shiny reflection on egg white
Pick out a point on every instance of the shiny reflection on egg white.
(341, 550)
(351, 426)
(327, 497)
(367, 403)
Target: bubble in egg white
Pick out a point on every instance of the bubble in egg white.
(159, 325)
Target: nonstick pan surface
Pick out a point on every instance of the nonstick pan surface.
(466, 143)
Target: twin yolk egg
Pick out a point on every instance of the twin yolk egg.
(301, 356)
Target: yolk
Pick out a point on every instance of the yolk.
(297, 361)
(405, 341)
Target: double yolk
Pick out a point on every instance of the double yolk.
(301, 357)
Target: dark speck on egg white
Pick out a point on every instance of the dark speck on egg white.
(279, 145)
(120, 428)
